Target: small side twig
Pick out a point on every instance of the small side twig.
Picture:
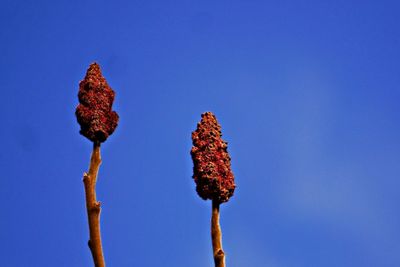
(93, 207)
(216, 236)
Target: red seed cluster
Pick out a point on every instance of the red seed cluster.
(212, 164)
(94, 112)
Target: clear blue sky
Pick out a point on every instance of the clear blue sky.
(307, 93)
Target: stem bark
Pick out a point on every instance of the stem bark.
(93, 207)
(216, 236)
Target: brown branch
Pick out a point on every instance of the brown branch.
(216, 236)
(93, 207)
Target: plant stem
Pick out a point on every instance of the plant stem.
(216, 236)
(93, 207)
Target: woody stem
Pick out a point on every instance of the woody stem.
(93, 207)
(216, 236)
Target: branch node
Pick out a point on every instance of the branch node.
(86, 177)
(219, 253)
(96, 207)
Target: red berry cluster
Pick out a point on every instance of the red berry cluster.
(94, 112)
(212, 164)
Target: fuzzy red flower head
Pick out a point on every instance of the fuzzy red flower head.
(94, 112)
(212, 164)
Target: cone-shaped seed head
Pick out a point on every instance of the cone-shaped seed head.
(94, 112)
(212, 164)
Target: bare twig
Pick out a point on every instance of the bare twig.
(216, 236)
(93, 207)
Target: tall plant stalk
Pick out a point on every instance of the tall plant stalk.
(212, 174)
(98, 121)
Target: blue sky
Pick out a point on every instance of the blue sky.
(307, 95)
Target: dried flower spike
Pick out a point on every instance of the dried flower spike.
(212, 164)
(94, 112)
